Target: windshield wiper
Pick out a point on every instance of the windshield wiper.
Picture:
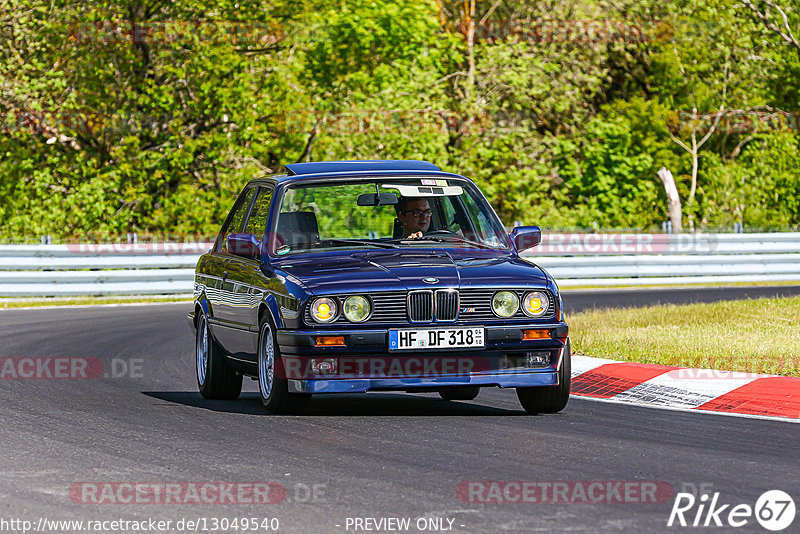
(312, 244)
(446, 238)
(379, 244)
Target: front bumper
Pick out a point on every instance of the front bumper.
(545, 377)
(366, 351)
(376, 340)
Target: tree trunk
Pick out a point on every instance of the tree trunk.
(468, 23)
(673, 200)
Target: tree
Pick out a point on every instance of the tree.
(776, 19)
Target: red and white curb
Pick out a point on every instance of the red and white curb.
(679, 388)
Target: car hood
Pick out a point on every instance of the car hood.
(360, 271)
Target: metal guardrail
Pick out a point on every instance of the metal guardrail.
(668, 259)
(572, 259)
(108, 269)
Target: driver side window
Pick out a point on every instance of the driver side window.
(236, 219)
(257, 222)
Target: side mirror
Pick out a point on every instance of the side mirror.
(374, 199)
(245, 245)
(525, 237)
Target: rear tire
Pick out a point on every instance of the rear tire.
(549, 399)
(215, 378)
(463, 393)
(275, 390)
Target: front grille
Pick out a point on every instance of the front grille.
(446, 305)
(471, 306)
(420, 306)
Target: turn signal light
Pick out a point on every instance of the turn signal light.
(536, 334)
(329, 341)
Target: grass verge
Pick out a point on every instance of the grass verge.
(682, 286)
(758, 336)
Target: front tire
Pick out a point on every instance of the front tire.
(215, 378)
(549, 399)
(275, 390)
(462, 393)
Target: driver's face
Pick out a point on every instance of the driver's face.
(411, 221)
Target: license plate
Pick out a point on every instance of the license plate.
(436, 338)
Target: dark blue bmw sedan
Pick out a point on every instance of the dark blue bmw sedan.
(356, 276)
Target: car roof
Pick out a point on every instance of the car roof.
(298, 172)
(327, 167)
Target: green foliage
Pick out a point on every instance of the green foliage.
(612, 184)
(108, 128)
(760, 188)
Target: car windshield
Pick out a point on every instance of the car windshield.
(386, 213)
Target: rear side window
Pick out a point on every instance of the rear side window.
(237, 218)
(257, 222)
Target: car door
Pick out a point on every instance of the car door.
(227, 296)
(244, 275)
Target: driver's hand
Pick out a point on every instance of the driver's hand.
(415, 235)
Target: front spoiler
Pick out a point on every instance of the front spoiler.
(362, 385)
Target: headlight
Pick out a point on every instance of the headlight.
(505, 303)
(323, 310)
(357, 308)
(535, 304)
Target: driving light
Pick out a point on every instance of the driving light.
(326, 366)
(357, 308)
(537, 359)
(323, 310)
(535, 304)
(505, 303)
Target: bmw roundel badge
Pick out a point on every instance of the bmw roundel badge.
(430, 280)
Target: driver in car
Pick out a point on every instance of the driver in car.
(414, 215)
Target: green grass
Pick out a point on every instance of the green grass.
(681, 286)
(759, 336)
(17, 302)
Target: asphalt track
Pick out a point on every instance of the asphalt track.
(376, 455)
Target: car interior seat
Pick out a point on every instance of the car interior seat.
(297, 227)
(397, 229)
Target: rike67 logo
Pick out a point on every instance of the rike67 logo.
(774, 510)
